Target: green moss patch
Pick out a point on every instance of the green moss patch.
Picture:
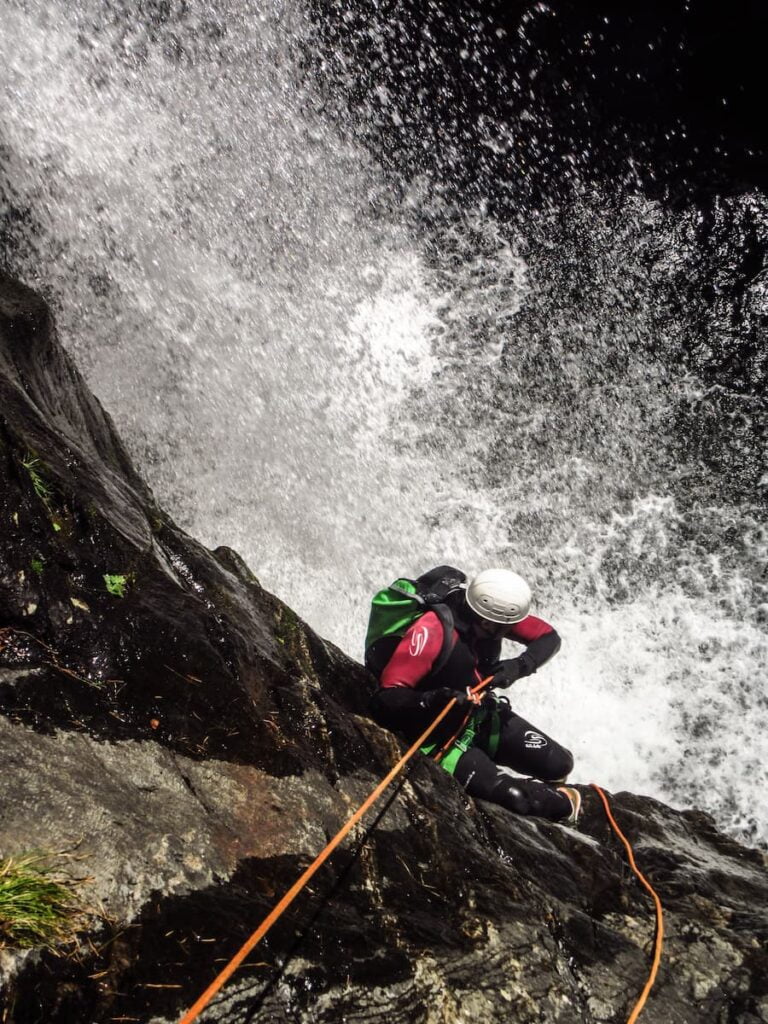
(116, 584)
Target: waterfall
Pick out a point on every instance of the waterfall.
(347, 379)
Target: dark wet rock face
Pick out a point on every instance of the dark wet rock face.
(198, 745)
(115, 623)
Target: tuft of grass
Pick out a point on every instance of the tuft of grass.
(34, 468)
(116, 583)
(36, 907)
(42, 488)
(37, 564)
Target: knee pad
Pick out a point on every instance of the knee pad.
(559, 765)
(524, 796)
(509, 793)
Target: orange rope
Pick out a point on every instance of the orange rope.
(438, 757)
(657, 902)
(218, 982)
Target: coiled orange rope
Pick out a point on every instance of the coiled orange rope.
(657, 902)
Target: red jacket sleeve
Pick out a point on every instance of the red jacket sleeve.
(540, 639)
(529, 629)
(416, 653)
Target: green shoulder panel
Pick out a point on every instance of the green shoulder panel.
(393, 609)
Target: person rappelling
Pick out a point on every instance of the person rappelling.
(434, 639)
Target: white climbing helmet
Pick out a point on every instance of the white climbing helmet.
(499, 596)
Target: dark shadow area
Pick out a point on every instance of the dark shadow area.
(518, 102)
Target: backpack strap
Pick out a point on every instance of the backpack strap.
(445, 615)
(378, 654)
(442, 611)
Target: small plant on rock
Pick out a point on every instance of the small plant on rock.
(42, 488)
(116, 583)
(36, 907)
(34, 468)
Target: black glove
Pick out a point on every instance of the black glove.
(436, 700)
(507, 672)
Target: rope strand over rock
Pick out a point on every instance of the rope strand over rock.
(220, 980)
(657, 903)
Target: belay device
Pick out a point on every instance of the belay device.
(395, 608)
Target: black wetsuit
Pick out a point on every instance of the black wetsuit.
(406, 702)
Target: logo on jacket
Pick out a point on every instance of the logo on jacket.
(419, 641)
(534, 740)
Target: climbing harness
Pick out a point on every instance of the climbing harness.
(220, 980)
(456, 746)
(657, 903)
